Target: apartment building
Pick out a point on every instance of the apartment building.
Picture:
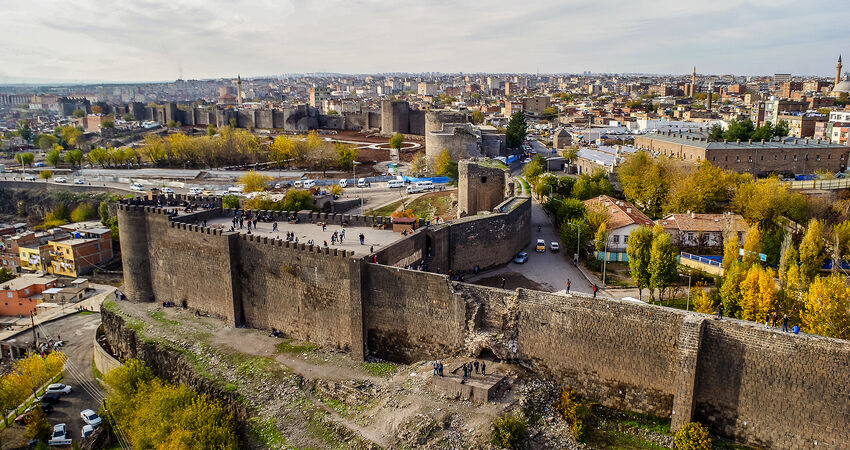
(21, 296)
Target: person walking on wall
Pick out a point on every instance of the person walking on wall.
(362, 239)
(483, 368)
(274, 226)
(568, 285)
(503, 282)
(475, 364)
(720, 310)
(595, 288)
(785, 323)
(773, 319)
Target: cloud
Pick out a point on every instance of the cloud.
(138, 40)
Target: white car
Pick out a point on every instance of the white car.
(278, 186)
(90, 417)
(87, 431)
(343, 183)
(195, 191)
(137, 187)
(30, 178)
(60, 179)
(78, 181)
(167, 190)
(59, 437)
(58, 388)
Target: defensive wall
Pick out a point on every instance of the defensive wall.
(755, 384)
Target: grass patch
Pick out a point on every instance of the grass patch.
(492, 163)
(336, 405)
(230, 387)
(254, 366)
(525, 186)
(428, 206)
(646, 421)
(265, 431)
(159, 316)
(611, 439)
(291, 346)
(386, 210)
(110, 305)
(85, 313)
(379, 369)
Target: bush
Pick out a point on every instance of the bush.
(83, 212)
(230, 201)
(509, 431)
(693, 436)
(575, 411)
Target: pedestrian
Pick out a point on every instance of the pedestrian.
(503, 282)
(568, 285)
(441, 368)
(371, 249)
(324, 225)
(785, 323)
(773, 318)
(475, 364)
(483, 368)
(795, 329)
(436, 367)
(274, 226)
(767, 320)
(326, 243)
(362, 239)
(595, 288)
(720, 310)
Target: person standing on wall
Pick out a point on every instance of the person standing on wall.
(568, 285)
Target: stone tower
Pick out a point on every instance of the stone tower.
(238, 89)
(481, 186)
(708, 96)
(838, 71)
(132, 221)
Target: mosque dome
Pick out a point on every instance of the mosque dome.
(843, 86)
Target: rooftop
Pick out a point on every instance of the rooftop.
(700, 140)
(25, 281)
(704, 222)
(621, 213)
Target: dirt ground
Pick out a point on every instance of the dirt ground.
(513, 281)
(320, 398)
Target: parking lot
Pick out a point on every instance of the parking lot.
(77, 331)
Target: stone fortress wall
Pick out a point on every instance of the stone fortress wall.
(744, 381)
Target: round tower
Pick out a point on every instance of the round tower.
(133, 226)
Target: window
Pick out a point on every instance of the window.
(616, 239)
(9, 294)
(775, 157)
(737, 158)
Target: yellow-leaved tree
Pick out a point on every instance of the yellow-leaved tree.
(442, 162)
(701, 300)
(758, 294)
(254, 182)
(826, 309)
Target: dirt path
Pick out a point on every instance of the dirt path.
(366, 433)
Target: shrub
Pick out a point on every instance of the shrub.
(83, 212)
(693, 436)
(509, 431)
(575, 411)
(230, 201)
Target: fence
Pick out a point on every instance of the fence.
(837, 183)
(708, 264)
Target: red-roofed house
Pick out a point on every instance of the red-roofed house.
(703, 230)
(623, 218)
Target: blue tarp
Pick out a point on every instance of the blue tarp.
(827, 265)
(804, 177)
(511, 158)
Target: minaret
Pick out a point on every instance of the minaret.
(239, 89)
(708, 96)
(838, 71)
(694, 82)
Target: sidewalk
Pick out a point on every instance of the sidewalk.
(92, 303)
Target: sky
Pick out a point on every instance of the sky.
(154, 40)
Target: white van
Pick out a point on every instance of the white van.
(414, 189)
(343, 183)
(425, 185)
(297, 183)
(309, 183)
(395, 184)
(361, 183)
(235, 189)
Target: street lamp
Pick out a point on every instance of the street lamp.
(688, 303)
(356, 184)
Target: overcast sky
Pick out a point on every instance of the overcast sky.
(151, 40)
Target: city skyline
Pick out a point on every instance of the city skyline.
(153, 41)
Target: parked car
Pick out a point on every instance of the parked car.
(541, 246)
(60, 436)
(49, 398)
(87, 431)
(78, 181)
(521, 258)
(167, 190)
(362, 183)
(58, 388)
(309, 183)
(343, 183)
(22, 419)
(90, 417)
(30, 178)
(526, 160)
(60, 179)
(195, 191)
(278, 186)
(554, 246)
(137, 187)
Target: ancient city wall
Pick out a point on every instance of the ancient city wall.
(763, 387)
(410, 316)
(312, 293)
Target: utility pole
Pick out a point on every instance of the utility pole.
(34, 333)
(604, 261)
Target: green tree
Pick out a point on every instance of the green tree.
(703, 190)
(812, 251)
(46, 141)
(103, 211)
(477, 118)
(37, 425)
(396, 141)
(24, 130)
(24, 159)
(345, 155)
(509, 431)
(53, 157)
(107, 124)
(442, 162)
(211, 130)
(663, 267)
(639, 250)
(645, 182)
(715, 133)
(128, 117)
(534, 169)
(230, 201)
(730, 290)
(739, 130)
(74, 157)
(781, 129)
(45, 174)
(516, 130)
(601, 238)
(550, 113)
(70, 134)
(83, 212)
(78, 113)
(98, 155)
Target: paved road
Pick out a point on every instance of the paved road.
(78, 332)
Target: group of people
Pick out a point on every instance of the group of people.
(470, 367)
(770, 319)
